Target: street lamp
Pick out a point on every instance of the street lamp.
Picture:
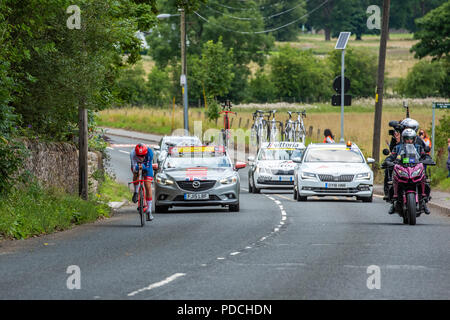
(183, 77)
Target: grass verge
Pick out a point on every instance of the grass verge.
(32, 210)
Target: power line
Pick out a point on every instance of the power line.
(246, 8)
(265, 18)
(264, 31)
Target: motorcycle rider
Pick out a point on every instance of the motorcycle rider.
(409, 136)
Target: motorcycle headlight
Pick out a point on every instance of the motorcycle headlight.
(416, 173)
(308, 175)
(229, 180)
(363, 176)
(402, 174)
(164, 181)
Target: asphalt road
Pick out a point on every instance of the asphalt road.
(274, 248)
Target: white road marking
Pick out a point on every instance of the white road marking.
(109, 148)
(124, 151)
(245, 189)
(234, 253)
(220, 258)
(158, 284)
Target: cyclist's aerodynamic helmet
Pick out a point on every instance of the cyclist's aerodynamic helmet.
(410, 123)
(141, 150)
(409, 134)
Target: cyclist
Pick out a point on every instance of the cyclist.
(329, 138)
(409, 136)
(144, 156)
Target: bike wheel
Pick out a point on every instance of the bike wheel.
(411, 208)
(141, 206)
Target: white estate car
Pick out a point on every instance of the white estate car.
(333, 169)
(273, 167)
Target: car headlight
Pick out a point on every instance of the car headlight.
(164, 181)
(308, 175)
(363, 176)
(229, 180)
(416, 173)
(263, 170)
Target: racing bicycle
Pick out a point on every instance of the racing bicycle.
(272, 126)
(257, 127)
(142, 202)
(299, 127)
(226, 110)
(289, 128)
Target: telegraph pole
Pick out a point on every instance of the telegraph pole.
(380, 82)
(183, 79)
(83, 152)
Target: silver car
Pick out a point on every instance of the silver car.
(197, 176)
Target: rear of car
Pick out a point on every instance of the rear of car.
(273, 167)
(197, 176)
(333, 170)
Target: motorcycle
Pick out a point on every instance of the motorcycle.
(408, 182)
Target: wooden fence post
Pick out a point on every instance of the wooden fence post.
(239, 124)
(248, 122)
(310, 133)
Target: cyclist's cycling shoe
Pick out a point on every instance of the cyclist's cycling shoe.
(135, 197)
(148, 213)
(392, 209)
(425, 208)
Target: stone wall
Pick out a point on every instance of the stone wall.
(55, 165)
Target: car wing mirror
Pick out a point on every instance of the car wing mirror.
(370, 160)
(240, 165)
(297, 160)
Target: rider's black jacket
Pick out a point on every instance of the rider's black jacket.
(397, 149)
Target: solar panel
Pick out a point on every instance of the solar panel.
(342, 41)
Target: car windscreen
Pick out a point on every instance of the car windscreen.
(197, 160)
(280, 154)
(334, 155)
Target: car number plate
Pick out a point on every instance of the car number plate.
(196, 196)
(336, 185)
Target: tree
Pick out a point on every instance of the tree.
(281, 13)
(360, 68)
(426, 79)
(299, 74)
(58, 69)
(212, 72)
(236, 34)
(323, 17)
(404, 13)
(433, 34)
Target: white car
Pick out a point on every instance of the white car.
(273, 167)
(333, 169)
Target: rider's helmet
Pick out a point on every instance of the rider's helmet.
(141, 150)
(410, 123)
(409, 135)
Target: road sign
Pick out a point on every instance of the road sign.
(336, 100)
(436, 105)
(442, 105)
(337, 84)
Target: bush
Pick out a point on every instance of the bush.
(299, 74)
(261, 88)
(360, 68)
(158, 87)
(131, 86)
(426, 79)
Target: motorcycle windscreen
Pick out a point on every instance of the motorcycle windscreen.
(410, 154)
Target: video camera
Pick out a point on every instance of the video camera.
(397, 127)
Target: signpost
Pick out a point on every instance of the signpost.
(436, 105)
(341, 44)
